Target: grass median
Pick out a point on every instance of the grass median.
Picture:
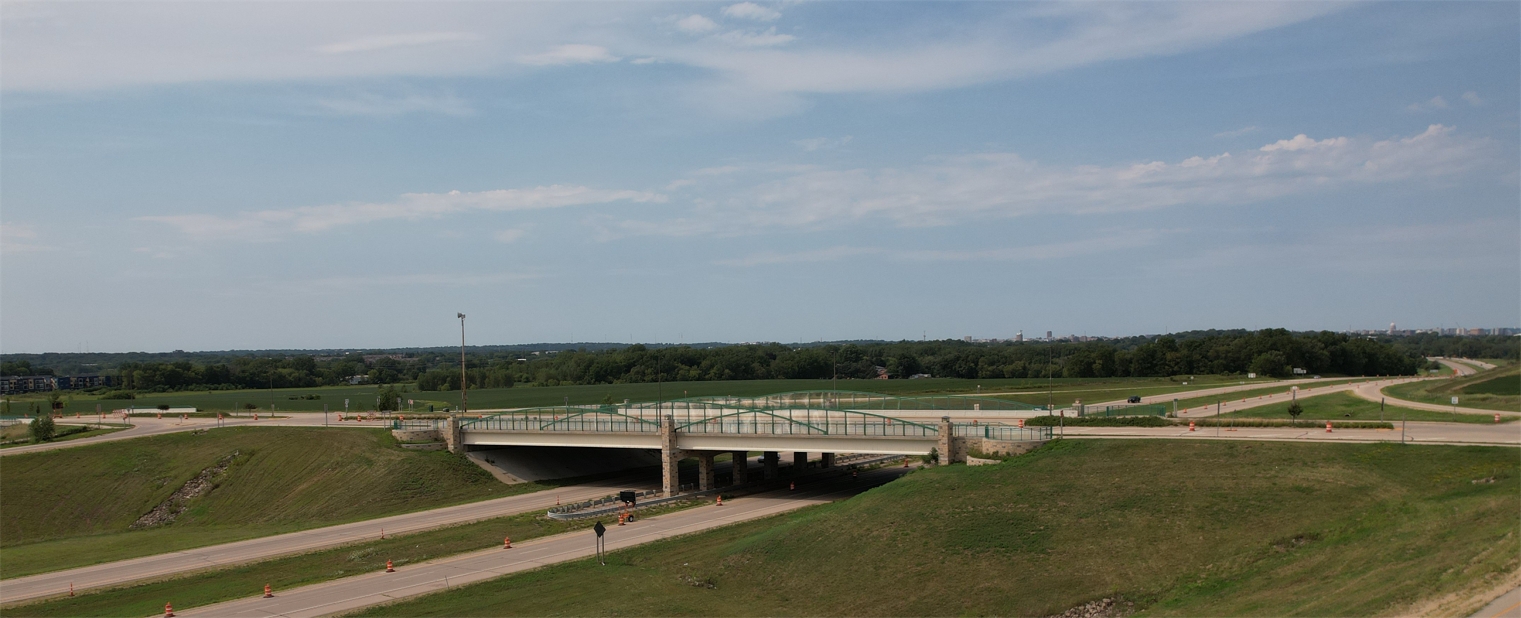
(1167, 527)
(216, 586)
(1341, 407)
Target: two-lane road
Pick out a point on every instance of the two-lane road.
(349, 594)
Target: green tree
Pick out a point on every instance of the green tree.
(1294, 411)
(389, 398)
(42, 426)
(1271, 363)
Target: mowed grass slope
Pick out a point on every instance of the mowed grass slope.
(1496, 389)
(76, 506)
(1176, 527)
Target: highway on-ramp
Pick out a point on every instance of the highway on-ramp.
(349, 594)
(143, 426)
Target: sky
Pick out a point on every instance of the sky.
(246, 175)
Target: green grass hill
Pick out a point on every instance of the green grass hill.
(1174, 527)
(1496, 389)
(77, 506)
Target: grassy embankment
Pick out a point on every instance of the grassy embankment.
(74, 507)
(1496, 389)
(1177, 528)
(1349, 407)
(20, 434)
(208, 587)
(1028, 390)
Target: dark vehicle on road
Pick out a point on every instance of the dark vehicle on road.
(1134, 399)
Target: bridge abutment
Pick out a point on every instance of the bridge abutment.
(828, 461)
(799, 461)
(453, 438)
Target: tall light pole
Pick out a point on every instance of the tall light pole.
(464, 398)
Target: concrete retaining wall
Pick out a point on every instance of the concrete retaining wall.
(427, 446)
(418, 435)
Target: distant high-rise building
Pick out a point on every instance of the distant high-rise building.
(1019, 337)
(967, 338)
(1391, 328)
(1048, 335)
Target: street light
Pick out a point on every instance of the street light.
(463, 382)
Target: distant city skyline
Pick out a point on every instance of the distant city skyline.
(240, 175)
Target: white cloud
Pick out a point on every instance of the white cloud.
(389, 41)
(751, 10)
(830, 254)
(679, 183)
(77, 46)
(382, 106)
(1303, 142)
(769, 38)
(1129, 239)
(21, 238)
(508, 236)
(961, 188)
(1436, 102)
(646, 60)
(1238, 132)
(570, 54)
(822, 143)
(277, 224)
(1473, 98)
(696, 24)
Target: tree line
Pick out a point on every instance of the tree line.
(1271, 352)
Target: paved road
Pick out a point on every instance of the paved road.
(124, 571)
(1461, 368)
(1375, 392)
(1507, 606)
(1315, 431)
(349, 594)
(150, 426)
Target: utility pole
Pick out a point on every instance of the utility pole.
(464, 397)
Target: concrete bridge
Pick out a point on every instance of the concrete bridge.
(825, 422)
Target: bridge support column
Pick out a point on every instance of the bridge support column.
(799, 462)
(944, 448)
(670, 475)
(741, 467)
(769, 458)
(453, 436)
(705, 470)
(828, 461)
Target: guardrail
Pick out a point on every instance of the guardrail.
(1134, 409)
(1009, 433)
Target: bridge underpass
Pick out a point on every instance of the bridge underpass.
(825, 422)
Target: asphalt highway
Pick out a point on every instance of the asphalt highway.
(161, 565)
(349, 594)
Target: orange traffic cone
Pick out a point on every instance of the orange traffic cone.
(720, 499)
(1328, 426)
(1190, 425)
(1021, 423)
(382, 534)
(160, 416)
(621, 517)
(557, 500)
(792, 486)
(71, 588)
(389, 568)
(168, 611)
(267, 593)
(507, 543)
(905, 462)
(256, 416)
(1497, 418)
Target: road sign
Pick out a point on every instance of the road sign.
(1454, 400)
(599, 529)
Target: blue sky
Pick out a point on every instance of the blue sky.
(287, 175)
